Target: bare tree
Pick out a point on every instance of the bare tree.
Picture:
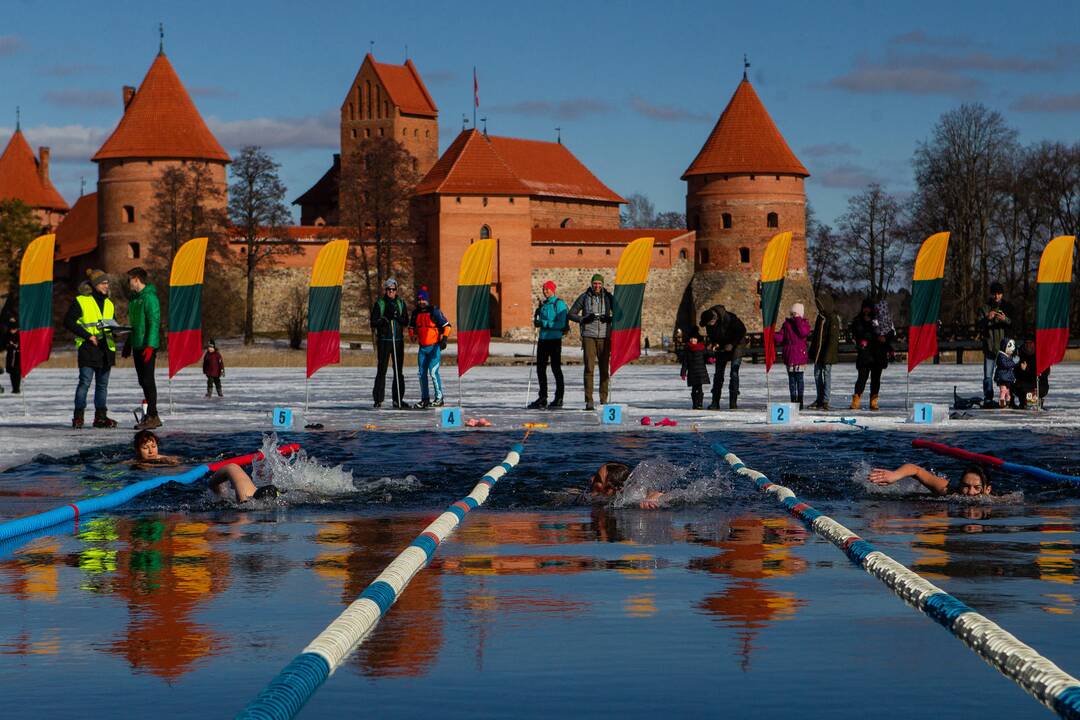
(259, 214)
(872, 244)
(187, 204)
(18, 227)
(296, 306)
(639, 212)
(376, 190)
(671, 220)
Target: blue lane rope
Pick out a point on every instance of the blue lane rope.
(287, 693)
(1042, 679)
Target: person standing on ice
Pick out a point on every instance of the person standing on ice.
(88, 319)
(144, 314)
(551, 320)
(725, 334)
(791, 337)
(213, 367)
(430, 328)
(594, 310)
(824, 349)
(389, 317)
(9, 344)
(871, 354)
(995, 321)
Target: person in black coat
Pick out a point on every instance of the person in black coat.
(725, 336)
(389, 319)
(1029, 388)
(694, 370)
(872, 350)
(9, 344)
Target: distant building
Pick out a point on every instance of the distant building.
(26, 178)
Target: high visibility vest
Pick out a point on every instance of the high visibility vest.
(91, 315)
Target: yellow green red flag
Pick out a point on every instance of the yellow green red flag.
(926, 298)
(474, 305)
(773, 269)
(1052, 317)
(185, 305)
(630, 278)
(324, 306)
(35, 303)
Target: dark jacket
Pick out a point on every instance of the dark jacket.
(870, 351)
(693, 364)
(1026, 381)
(144, 314)
(728, 330)
(389, 316)
(600, 307)
(213, 365)
(1005, 372)
(993, 331)
(90, 355)
(825, 339)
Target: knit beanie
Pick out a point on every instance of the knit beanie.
(422, 293)
(96, 277)
(597, 278)
(550, 285)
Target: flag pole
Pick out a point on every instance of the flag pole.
(307, 396)
(532, 363)
(171, 409)
(476, 103)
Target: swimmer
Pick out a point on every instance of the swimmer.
(146, 445)
(610, 478)
(973, 481)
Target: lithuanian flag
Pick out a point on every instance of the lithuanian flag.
(773, 270)
(1052, 320)
(324, 306)
(630, 279)
(185, 305)
(474, 305)
(35, 303)
(926, 299)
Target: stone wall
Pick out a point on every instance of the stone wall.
(738, 293)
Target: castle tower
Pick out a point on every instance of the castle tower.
(160, 129)
(24, 177)
(744, 187)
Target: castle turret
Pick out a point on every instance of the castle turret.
(160, 129)
(744, 187)
(26, 178)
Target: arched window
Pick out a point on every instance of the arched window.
(134, 251)
(703, 256)
(354, 133)
(772, 220)
(382, 132)
(726, 220)
(551, 251)
(129, 213)
(484, 203)
(565, 222)
(607, 251)
(744, 255)
(682, 254)
(485, 232)
(580, 251)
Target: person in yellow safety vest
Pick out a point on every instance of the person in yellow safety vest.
(86, 319)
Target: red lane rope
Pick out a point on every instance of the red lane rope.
(957, 452)
(250, 457)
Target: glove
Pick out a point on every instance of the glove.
(683, 374)
(126, 352)
(382, 323)
(442, 343)
(147, 353)
(728, 348)
(536, 322)
(591, 317)
(605, 319)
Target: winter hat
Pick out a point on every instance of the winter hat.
(390, 283)
(1008, 346)
(708, 317)
(597, 278)
(996, 287)
(422, 293)
(867, 303)
(550, 285)
(96, 277)
(799, 309)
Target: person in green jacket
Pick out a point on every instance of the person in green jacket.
(550, 318)
(995, 322)
(824, 348)
(144, 314)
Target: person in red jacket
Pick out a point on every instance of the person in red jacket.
(213, 367)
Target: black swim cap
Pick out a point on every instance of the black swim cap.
(268, 491)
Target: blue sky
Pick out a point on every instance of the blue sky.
(635, 86)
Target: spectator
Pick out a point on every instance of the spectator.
(389, 317)
(594, 310)
(551, 319)
(824, 349)
(213, 367)
(994, 321)
(725, 335)
(144, 314)
(91, 318)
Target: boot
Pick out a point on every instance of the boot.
(715, 404)
(1003, 403)
(538, 404)
(800, 402)
(873, 402)
(102, 419)
(856, 402)
(438, 402)
(733, 401)
(556, 403)
(149, 422)
(77, 420)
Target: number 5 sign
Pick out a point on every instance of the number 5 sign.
(281, 418)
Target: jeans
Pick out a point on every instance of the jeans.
(718, 379)
(14, 368)
(795, 385)
(145, 372)
(549, 352)
(823, 383)
(100, 378)
(597, 351)
(386, 348)
(875, 380)
(989, 365)
(213, 383)
(428, 358)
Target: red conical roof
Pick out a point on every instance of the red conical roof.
(162, 122)
(745, 141)
(20, 179)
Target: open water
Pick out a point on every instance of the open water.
(717, 604)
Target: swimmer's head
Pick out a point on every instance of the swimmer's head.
(268, 491)
(145, 445)
(609, 479)
(974, 481)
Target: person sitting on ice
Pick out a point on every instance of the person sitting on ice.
(973, 481)
(145, 445)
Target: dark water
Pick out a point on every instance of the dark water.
(719, 604)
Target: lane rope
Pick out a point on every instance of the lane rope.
(961, 454)
(1042, 679)
(89, 506)
(287, 693)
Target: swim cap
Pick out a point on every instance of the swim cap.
(268, 491)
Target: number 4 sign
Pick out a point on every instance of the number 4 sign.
(451, 418)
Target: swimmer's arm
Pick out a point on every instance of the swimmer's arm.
(934, 483)
(240, 480)
(651, 501)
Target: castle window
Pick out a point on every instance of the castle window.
(404, 132)
(726, 220)
(382, 132)
(352, 112)
(752, 177)
(607, 251)
(485, 232)
(744, 255)
(367, 132)
(511, 201)
(661, 252)
(133, 251)
(129, 213)
(772, 220)
(682, 254)
(551, 251)
(703, 256)
(354, 133)
(777, 178)
(485, 202)
(415, 133)
(415, 165)
(565, 222)
(427, 133)
(386, 107)
(458, 200)
(368, 99)
(580, 251)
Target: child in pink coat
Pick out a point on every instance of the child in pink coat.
(792, 338)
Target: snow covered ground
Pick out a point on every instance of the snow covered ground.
(39, 420)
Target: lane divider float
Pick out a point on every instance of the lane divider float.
(287, 693)
(1042, 679)
(961, 454)
(89, 506)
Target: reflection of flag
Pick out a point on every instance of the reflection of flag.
(35, 303)
(475, 88)
(324, 306)
(926, 299)
(630, 279)
(185, 305)
(1052, 320)
(773, 270)
(474, 305)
